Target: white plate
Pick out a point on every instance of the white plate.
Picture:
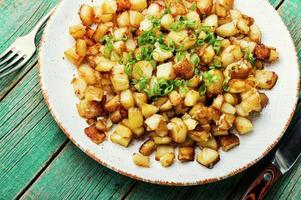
(57, 73)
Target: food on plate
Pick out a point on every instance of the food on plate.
(184, 75)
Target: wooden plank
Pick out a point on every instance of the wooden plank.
(14, 22)
(275, 3)
(29, 137)
(73, 175)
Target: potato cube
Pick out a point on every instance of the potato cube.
(228, 142)
(162, 140)
(228, 108)
(153, 121)
(73, 57)
(166, 21)
(208, 157)
(218, 102)
(147, 147)
(243, 125)
(122, 135)
(160, 55)
(199, 135)
(148, 110)
(140, 99)
(103, 64)
(165, 71)
(210, 143)
(166, 160)
(89, 109)
(86, 14)
(109, 7)
(79, 85)
(127, 99)
(189, 122)
(237, 86)
(175, 98)
(113, 104)
(138, 5)
(120, 81)
(141, 160)
(142, 69)
(77, 31)
(94, 134)
(135, 118)
(191, 98)
(186, 154)
(227, 30)
(205, 6)
(123, 20)
(135, 18)
(162, 150)
(178, 130)
(266, 79)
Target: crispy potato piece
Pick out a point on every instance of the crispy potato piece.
(228, 108)
(162, 129)
(161, 140)
(266, 79)
(94, 134)
(89, 109)
(166, 71)
(166, 21)
(227, 30)
(148, 110)
(189, 122)
(116, 116)
(205, 6)
(191, 98)
(184, 69)
(161, 150)
(230, 99)
(79, 85)
(122, 135)
(208, 157)
(255, 33)
(261, 52)
(214, 86)
(138, 5)
(123, 20)
(93, 93)
(100, 31)
(175, 98)
(147, 148)
(237, 86)
(123, 5)
(135, 18)
(73, 57)
(127, 99)
(167, 159)
(218, 102)
(178, 130)
(228, 142)
(264, 100)
(77, 31)
(141, 160)
(101, 125)
(210, 143)
(186, 154)
(109, 7)
(86, 14)
(153, 121)
(140, 98)
(113, 104)
(135, 118)
(243, 125)
(120, 81)
(199, 135)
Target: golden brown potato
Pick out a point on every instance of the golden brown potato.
(123, 5)
(101, 125)
(161, 150)
(184, 69)
(113, 104)
(264, 100)
(255, 33)
(178, 130)
(153, 121)
(210, 143)
(237, 86)
(127, 99)
(266, 79)
(148, 110)
(79, 85)
(218, 102)
(94, 134)
(199, 135)
(166, 71)
(135, 18)
(208, 157)
(166, 21)
(140, 98)
(81, 47)
(261, 52)
(205, 6)
(135, 118)
(162, 129)
(167, 159)
(175, 98)
(191, 98)
(100, 31)
(228, 142)
(161, 140)
(120, 81)
(122, 135)
(73, 57)
(227, 30)
(243, 125)
(189, 122)
(214, 82)
(77, 31)
(141, 160)
(147, 147)
(142, 69)
(109, 7)
(186, 154)
(89, 109)
(86, 14)
(138, 5)
(123, 20)
(93, 93)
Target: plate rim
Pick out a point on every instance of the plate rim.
(161, 182)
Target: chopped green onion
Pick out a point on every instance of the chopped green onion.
(202, 90)
(249, 56)
(195, 60)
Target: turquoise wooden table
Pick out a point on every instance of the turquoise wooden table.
(37, 161)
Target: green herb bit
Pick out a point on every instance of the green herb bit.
(155, 21)
(180, 55)
(216, 64)
(147, 37)
(217, 46)
(202, 90)
(209, 78)
(226, 87)
(183, 90)
(249, 56)
(207, 29)
(199, 42)
(194, 59)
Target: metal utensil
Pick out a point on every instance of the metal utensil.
(21, 50)
(285, 157)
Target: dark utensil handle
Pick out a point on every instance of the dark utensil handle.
(260, 186)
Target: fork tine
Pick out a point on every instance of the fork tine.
(14, 61)
(3, 54)
(19, 65)
(9, 56)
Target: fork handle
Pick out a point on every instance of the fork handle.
(41, 22)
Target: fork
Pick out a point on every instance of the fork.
(21, 50)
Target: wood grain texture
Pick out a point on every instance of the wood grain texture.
(73, 175)
(29, 136)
